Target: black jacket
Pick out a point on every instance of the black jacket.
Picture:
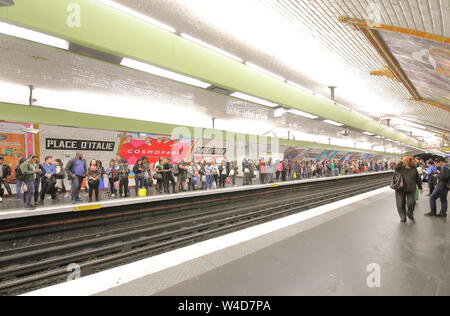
(411, 178)
(6, 171)
(444, 178)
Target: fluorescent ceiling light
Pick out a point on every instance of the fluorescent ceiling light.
(296, 85)
(368, 133)
(136, 14)
(33, 36)
(333, 123)
(253, 99)
(216, 49)
(256, 67)
(163, 73)
(300, 113)
(381, 137)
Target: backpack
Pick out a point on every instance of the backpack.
(19, 175)
(398, 182)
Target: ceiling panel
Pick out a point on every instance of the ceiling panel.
(346, 52)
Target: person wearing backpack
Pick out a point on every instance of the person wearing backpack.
(441, 189)
(76, 170)
(405, 196)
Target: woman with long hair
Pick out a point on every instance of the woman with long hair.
(405, 196)
(93, 178)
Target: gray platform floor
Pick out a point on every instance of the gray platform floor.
(326, 255)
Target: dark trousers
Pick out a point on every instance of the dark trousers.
(37, 184)
(7, 187)
(140, 183)
(442, 195)
(93, 186)
(112, 188)
(123, 186)
(406, 202)
(48, 186)
(223, 181)
(431, 185)
(283, 175)
(31, 185)
(169, 178)
(76, 187)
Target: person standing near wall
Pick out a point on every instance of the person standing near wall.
(405, 196)
(29, 171)
(76, 170)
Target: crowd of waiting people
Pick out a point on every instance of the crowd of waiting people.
(165, 176)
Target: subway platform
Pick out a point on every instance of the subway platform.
(356, 246)
(332, 254)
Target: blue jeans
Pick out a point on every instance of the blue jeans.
(76, 187)
(439, 194)
(209, 181)
(29, 194)
(18, 188)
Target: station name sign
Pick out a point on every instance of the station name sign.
(76, 144)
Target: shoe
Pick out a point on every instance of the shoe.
(412, 219)
(442, 215)
(1, 200)
(431, 214)
(30, 208)
(403, 220)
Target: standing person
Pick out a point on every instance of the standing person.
(192, 176)
(234, 171)
(270, 170)
(5, 171)
(101, 185)
(123, 171)
(19, 179)
(113, 177)
(215, 173)
(93, 175)
(148, 181)
(223, 171)
(76, 170)
(441, 189)
(209, 176)
(29, 171)
(168, 176)
(432, 180)
(262, 167)
(139, 175)
(405, 197)
(60, 176)
(182, 175)
(38, 181)
(159, 175)
(48, 179)
(285, 170)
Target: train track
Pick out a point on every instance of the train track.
(37, 255)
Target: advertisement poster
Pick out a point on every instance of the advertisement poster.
(153, 147)
(12, 148)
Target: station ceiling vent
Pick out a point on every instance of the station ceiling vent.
(220, 90)
(6, 3)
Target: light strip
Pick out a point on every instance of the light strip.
(136, 14)
(253, 99)
(163, 73)
(368, 133)
(333, 123)
(256, 67)
(300, 113)
(33, 36)
(214, 48)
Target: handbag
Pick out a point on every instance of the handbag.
(157, 176)
(231, 172)
(397, 182)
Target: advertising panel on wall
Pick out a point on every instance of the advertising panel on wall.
(134, 146)
(15, 142)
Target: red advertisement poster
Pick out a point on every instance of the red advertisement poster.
(154, 147)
